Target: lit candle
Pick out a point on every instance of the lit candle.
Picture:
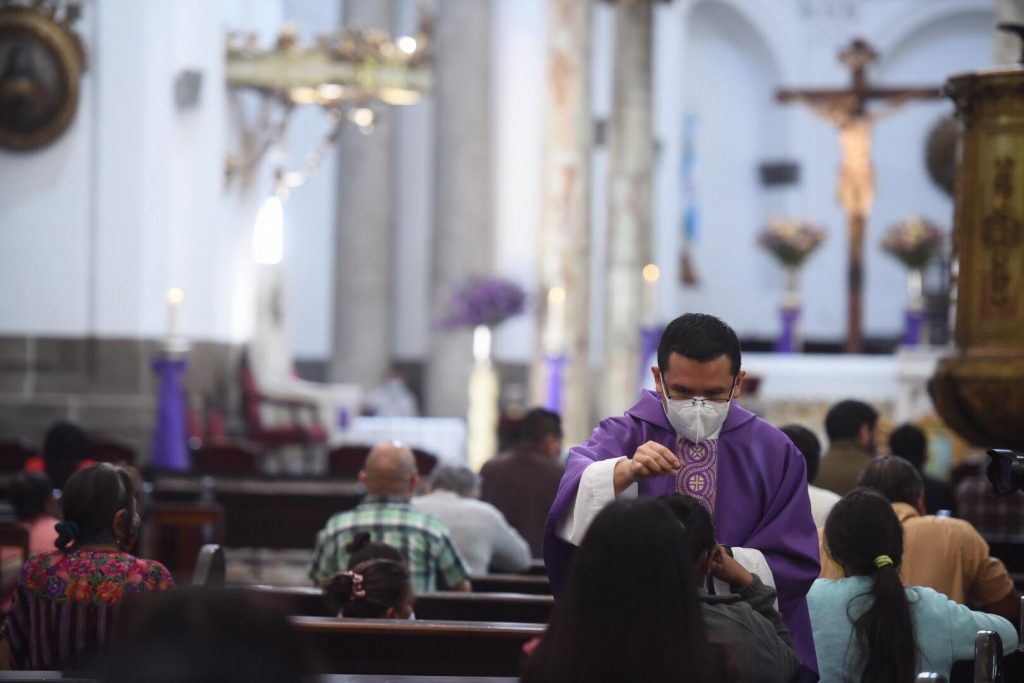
(651, 274)
(174, 297)
(554, 332)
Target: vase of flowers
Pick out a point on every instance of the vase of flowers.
(913, 241)
(480, 304)
(790, 242)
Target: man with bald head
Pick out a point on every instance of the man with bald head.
(389, 475)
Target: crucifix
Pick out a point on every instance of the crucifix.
(847, 109)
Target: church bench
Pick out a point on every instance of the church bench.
(58, 677)
(436, 648)
(511, 583)
(442, 606)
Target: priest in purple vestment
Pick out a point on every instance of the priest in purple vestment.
(690, 437)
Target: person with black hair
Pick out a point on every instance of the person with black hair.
(67, 600)
(867, 626)
(744, 621)
(852, 429)
(689, 436)
(65, 447)
(910, 443)
(34, 507)
(522, 482)
(628, 611)
(205, 635)
(374, 589)
(807, 443)
(967, 573)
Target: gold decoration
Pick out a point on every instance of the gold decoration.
(41, 61)
(1000, 232)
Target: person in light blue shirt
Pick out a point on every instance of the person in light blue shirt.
(867, 626)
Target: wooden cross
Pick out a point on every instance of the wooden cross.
(847, 109)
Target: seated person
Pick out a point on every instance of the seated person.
(374, 589)
(482, 535)
(389, 475)
(966, 573)
(744, 622)
(34, 506)
(628, 610)
(79, 587)
(218, 635)
(910, 443)
(807, 443)
(867, 626)
(852, 429)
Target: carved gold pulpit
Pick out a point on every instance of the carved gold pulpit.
(979, 390)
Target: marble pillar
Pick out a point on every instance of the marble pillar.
(1008, 46)
(463, 241)
(361, 351)
(564, 258)
(631, 160)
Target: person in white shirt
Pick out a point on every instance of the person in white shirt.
(807, 443)
(481, 534)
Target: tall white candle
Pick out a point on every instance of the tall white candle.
(554, 332)
(174, 297)
(651, 274)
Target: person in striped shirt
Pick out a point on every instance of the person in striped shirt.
(389, 475)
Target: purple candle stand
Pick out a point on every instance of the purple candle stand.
(169, 451)
(914, 324)
(788, 342)
(555, 368)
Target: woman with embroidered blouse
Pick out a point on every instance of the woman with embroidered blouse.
(68, 600)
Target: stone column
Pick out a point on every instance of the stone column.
(362, 252)
(564, 258)
(1008, 47)
(630, 164)
(463, 239)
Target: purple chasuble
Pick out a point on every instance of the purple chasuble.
(754, 482)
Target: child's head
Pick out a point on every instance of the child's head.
(32, 496)
(374, 589)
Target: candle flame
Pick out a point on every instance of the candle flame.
(175, 295)
(556, 295)
(651, 273)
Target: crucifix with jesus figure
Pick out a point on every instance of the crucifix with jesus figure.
(847, 109)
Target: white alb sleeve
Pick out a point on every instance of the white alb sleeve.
(596, 489)
(754, 562)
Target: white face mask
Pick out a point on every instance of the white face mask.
(696, 419)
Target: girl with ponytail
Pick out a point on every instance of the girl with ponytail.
(374, 589)
(867, 626)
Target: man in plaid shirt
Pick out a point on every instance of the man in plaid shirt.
(389, 475)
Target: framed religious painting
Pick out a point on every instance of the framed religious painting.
(41, 61)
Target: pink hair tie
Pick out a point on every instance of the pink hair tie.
(357, 585)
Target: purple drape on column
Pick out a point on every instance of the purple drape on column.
(554, 366)
(169, 450)
(787, 342)
(650, 337)
(914, 324)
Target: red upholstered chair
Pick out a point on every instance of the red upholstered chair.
(13, 454)
(230, 457)
(308, 434)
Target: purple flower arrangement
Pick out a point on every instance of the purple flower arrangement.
(484, 301)
(914, 241)
(791, 241)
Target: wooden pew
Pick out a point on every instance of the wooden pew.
(443, 606)
(58, 677)
(511, 583)
(435, 648)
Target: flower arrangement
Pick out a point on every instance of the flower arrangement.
(914, 241)
(791, 241)
(484, 301)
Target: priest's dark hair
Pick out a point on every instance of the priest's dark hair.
(895, 478)
(628, 611)
(808, 445)
(700, 337)
(845, 419)
(910, 443)
(861, 528)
